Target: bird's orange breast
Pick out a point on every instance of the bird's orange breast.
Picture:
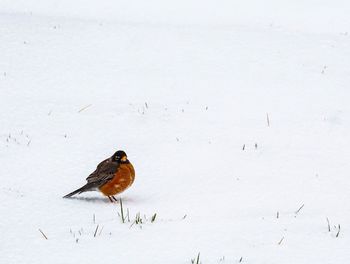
(122, 179)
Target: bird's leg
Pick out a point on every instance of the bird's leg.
(110, 199)
(115, 199)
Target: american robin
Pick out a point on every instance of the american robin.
(112, 176)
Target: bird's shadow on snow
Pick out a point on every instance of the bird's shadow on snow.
(103, 200)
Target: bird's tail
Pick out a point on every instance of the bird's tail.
(85, 188)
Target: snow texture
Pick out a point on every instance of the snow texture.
(235, 115)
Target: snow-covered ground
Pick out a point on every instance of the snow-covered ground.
(186, 88)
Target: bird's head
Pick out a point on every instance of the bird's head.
(120, 156)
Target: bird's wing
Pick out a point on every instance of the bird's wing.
(100, 166)
(104, 173)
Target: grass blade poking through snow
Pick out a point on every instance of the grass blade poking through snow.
(301, 207)
(96, 231)
(196, 260)
(122, 210)
(338, 231)
(153, 217)
(43, 234)
(329, 226)
(280, 242)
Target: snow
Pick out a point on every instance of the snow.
(181, 86)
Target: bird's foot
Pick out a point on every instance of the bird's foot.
(109, 197)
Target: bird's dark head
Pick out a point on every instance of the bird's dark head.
(120, 156)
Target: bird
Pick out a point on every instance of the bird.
(111, 177)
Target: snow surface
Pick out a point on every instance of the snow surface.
(182, 87)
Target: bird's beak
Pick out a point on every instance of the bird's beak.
(124, 158)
